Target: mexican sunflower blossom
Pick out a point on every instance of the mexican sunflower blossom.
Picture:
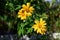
(28, 8)
(40, 26)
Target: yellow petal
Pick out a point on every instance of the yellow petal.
(29, 14)
(44, 24)
(41, 19)
(35, 27)
(31, 8)
(18, 16)
(36, 21)
(38, 31)
(22, 18)
(28, 4)
(23, 5)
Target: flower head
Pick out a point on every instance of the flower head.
(40, 26)
(22, 14)
(27, 8)
(25, 11)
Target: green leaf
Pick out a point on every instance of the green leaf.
(11, 7)
(25, 1)
(57, 23)
(18, 7)
(19, 32)
(38, 7)
(24, 24)
(1, 18)
(44, 16)
(29, 30)
(5, 17)
(9, 25)
(21, 29)
(11, 4)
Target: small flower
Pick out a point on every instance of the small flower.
(25, 11)
(40, 26)
(22, 14)
(28, 8)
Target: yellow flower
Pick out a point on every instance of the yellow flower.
(40, 26)
(28, 8)
(22, 14)
(25, 11)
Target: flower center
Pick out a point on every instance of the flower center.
(40, 25)
(23, 14)
(22, 11)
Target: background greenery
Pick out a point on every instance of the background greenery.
(10, 24)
